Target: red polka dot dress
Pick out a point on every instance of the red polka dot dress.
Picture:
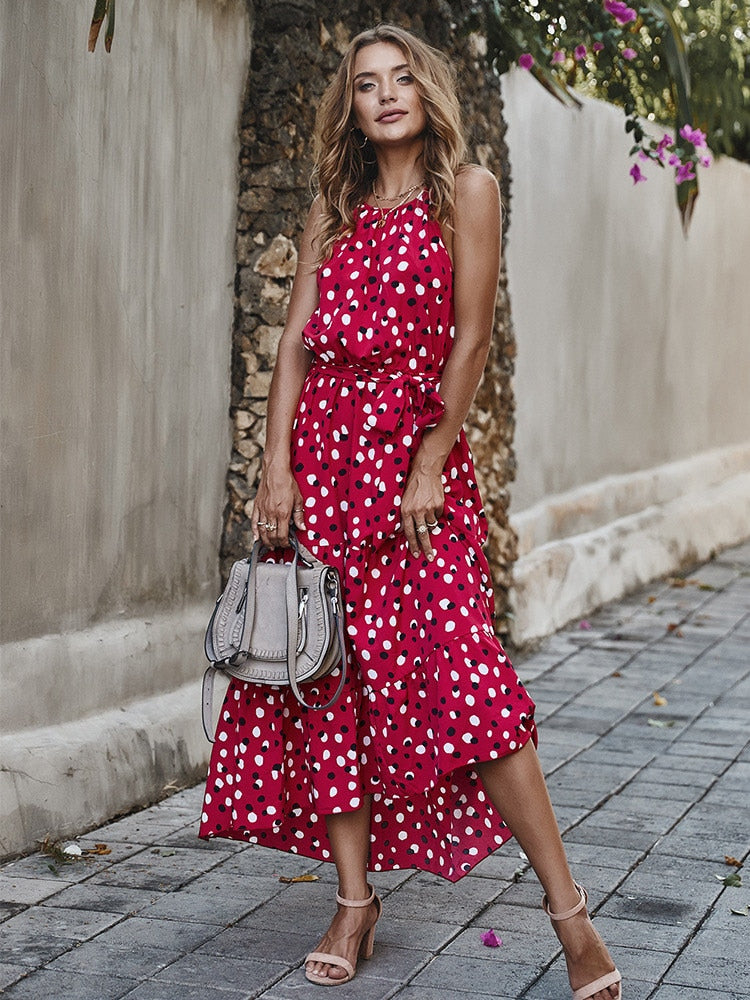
(430, 690)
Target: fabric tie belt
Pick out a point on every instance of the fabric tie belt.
(399, 394)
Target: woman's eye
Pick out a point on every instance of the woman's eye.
(365, 86)
(406, 78)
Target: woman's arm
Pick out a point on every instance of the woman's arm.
(278, 499)
(476, 269)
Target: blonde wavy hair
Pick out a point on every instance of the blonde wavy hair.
(345, 167)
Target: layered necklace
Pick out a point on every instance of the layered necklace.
(398, 198)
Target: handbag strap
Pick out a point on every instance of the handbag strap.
(291, 643)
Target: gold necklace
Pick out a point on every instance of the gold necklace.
(395, 197)
(385, 212)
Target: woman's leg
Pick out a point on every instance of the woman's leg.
(349, 834)
(516, 787)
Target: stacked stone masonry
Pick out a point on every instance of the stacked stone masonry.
(297, 47)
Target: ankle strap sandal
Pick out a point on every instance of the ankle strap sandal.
(611, 978)
(364, 951)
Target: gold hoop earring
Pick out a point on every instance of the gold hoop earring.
(361, 145)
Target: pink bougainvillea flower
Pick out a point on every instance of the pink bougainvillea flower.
(638, 176)
(490, 939)
(620, 11)
(585, 625)
(684, 173)
(579, 52)
(693, 135)
(666, 140)
(526, 61)
(674, 160)
(597, 46)
(558, 56)
(705, 161)
(643, 155)
(629, 53)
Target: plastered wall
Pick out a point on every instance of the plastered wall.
(633, 341)
(117, 223)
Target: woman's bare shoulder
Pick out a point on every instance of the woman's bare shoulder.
(475, 184)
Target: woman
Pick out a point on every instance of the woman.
(428, 759)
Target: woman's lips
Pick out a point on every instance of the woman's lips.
(391, 116)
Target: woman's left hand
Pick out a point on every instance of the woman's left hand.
(421, 507)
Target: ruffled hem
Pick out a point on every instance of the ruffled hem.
(413, 746)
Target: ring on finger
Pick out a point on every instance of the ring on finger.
(262, 524)
(272, 527)
(431, 524)
(421, 528)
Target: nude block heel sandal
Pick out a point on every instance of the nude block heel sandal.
(365, 947)
(612, 978)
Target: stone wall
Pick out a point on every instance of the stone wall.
(297, 48)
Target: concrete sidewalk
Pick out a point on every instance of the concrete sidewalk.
(651, 798)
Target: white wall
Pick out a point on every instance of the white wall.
(118, 198)
(633, 339)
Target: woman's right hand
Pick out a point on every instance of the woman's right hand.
(277, 504)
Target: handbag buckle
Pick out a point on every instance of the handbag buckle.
(302, 620)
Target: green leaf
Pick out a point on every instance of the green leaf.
(662, 723)
(733, 881)
(100, 10)
(110, 29)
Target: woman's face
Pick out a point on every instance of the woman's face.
(386, 105)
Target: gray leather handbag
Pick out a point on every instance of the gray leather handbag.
(277, 623)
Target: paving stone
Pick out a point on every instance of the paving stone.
(294, 986)
(238, 973)
(166, 991)
(171, 935)
(422, 934)
(159, 868)
(58, 922)
(637, 934)
(554, 986)
(93, 896)
(619, 858)
(526, 936)
(139, 828)
(711, 962)
(655, 907)
(92, 958)
(9, 973)
(214, 902)
(43, 866)
(619, 830)
(47, 983)
(721, 916)
(254, 860)
(428, 993)
(431, 898)
(15, 889)
(285, 947)
(690, 993)
(488, 975)
(502, 865)
(187, 837)
(32, 952)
